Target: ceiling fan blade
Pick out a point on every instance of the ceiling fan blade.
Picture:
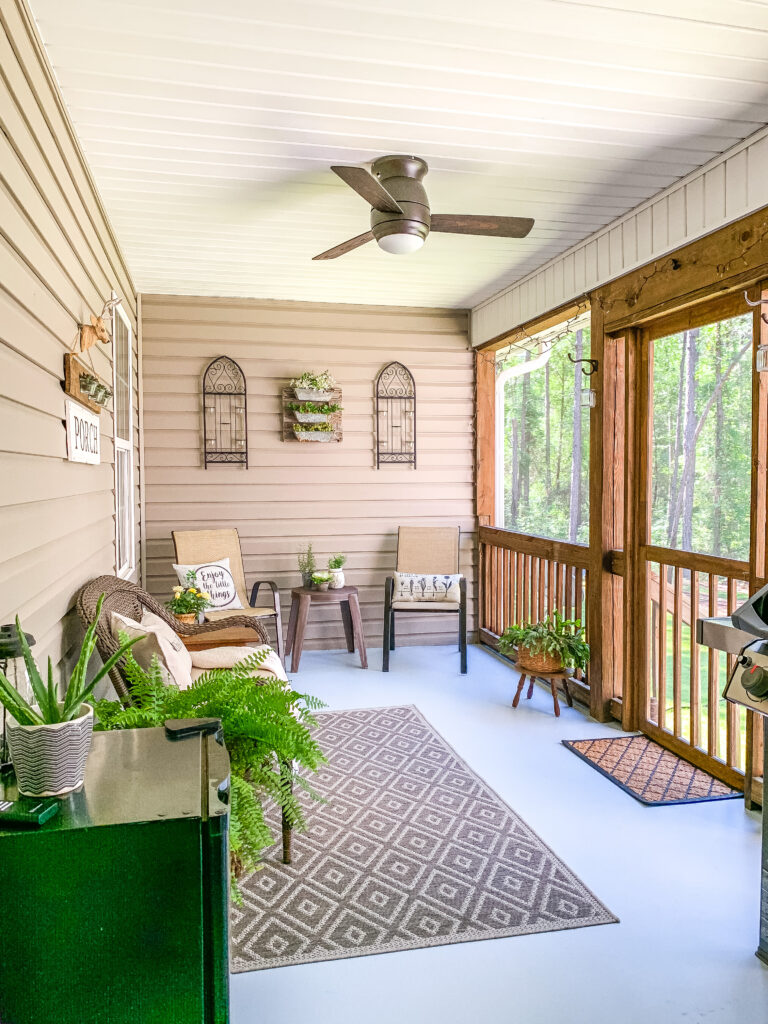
(467, 224)
(368, 187)
(344, 247)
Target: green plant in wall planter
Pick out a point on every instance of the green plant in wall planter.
(314, 431)
(50, 740)
(314, 387)
(547, 646)
(313, 412)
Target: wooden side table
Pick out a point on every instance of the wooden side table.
(552, 677)
(301, 600)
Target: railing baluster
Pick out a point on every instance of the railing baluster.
(732, 712)
(661, 713)
(677, 657)
(713, 718)
(542, 584)
(526, 586)
(695, 680)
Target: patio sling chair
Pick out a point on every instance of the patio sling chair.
(428, 550)
(193, 547)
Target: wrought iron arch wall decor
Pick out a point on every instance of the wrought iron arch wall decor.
(225, 414)
(395, 416)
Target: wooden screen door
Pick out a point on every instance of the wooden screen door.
(691, 537)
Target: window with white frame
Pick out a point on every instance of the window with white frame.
(122, 368)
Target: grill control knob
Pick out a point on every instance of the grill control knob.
(755, 682)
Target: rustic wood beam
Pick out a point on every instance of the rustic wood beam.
(735, 256)
(552, 318)
(485, 437)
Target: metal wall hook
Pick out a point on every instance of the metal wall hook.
(760, 302)
(592, 363)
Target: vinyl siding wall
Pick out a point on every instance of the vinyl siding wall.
(58, 263)
(291, 493)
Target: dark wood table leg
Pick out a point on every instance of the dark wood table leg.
(346, 618)
(530, 689)
(291, 626)
(520, 686)
(553, 688)
(568, 696)
(357, 629)
(301, 623)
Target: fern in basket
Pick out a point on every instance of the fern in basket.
(266, 731)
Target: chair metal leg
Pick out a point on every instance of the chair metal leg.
(280, 648)
(463, 626)
(392, 633)
(388, 616)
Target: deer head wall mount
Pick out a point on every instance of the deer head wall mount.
(96, 330)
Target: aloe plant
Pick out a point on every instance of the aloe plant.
(52, 708)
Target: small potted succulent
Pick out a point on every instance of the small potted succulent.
(307, 565)
(548, 646)
(314, 387)
(336, 569)
(321, 580)
(50, 740)
(313, 412)
(314, 431)
(188, 602)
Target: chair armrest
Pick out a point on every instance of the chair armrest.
(272, 586)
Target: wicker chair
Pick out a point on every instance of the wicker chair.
(129, 599)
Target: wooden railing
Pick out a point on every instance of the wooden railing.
(524, 578)
(685, 680)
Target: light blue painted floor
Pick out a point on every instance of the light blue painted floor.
(684, 880)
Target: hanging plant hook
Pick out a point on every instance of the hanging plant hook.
(760, 302)
(592, 365)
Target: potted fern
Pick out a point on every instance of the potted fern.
(336, 569)
(50, 740)
(266, 726)
(552, 645)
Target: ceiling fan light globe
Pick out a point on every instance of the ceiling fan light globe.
(399, 243)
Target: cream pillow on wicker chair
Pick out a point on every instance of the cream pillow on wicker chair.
(415, 586)
(159, 639)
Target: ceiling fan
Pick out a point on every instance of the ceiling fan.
(400, 214)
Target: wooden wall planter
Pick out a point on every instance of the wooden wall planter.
(73, 370)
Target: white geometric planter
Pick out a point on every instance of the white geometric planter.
(49, 760)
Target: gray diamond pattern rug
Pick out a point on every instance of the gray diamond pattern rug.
(412, 849)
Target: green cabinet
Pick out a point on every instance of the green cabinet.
(115, 910)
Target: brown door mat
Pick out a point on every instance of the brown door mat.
(648, 772)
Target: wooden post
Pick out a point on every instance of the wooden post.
(633, 590)
(485, 437)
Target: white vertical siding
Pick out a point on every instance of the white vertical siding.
(721, 191)
(58, 263)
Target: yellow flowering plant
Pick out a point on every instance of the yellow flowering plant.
(189, 600)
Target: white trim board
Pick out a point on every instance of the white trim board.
(721, 191)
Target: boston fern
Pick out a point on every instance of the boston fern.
(555, 635)
(266, 731)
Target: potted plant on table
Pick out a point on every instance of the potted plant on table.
(552, 645)
(50, 740)
(314, 387)
(321, 580)
(307, 565)
(188, 602)
(336, 569)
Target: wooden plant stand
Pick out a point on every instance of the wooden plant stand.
(552, 677)
(301, 600)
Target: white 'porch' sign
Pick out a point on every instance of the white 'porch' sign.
(83, 434)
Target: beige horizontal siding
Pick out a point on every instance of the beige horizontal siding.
(58, 264)
(291, 493)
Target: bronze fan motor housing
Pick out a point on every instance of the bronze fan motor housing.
(401, 176)
(399, 207)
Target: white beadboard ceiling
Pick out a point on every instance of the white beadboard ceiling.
(209, 127)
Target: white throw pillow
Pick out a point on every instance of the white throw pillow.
(416, 586)
(216, 578)
(159, 639)
(226, 657)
